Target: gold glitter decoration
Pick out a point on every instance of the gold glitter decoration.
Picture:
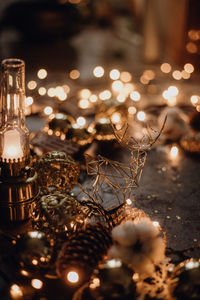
(59, 215)
(191, 142)
(57, 170)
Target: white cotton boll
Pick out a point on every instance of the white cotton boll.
(176, 123)
(146, 230)
(138, 245)
(126, 233)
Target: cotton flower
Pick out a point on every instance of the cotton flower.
(138, 245)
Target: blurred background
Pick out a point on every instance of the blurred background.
(61, 34)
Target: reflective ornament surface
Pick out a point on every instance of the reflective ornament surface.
(57, 170)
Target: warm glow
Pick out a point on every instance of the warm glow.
(173, 90)
(165, 94)
(114, 263)
(35, 262)
(81, 121)
(42, 74)
(98, 71)
(125, 76)
(28, 101)
(193, 35)
(149, 74)
(24, 272)
(128, 88)
(66, 88)
(95, 283)
(156, 224)
(185, 74)
(132, 110)
(135, 96)
(83, 103)
(105, 95)
(141, 115)
(51, 92)
(116, 117)
(135, 277)
(189, 68)
(128, 201)
(144, 80)
(12, 148)
(74, 74)
(194, 99)
(42, 91)
(166, 68)
(174, 152)
(62, 96)
(171, 101)
(48, 110)
(177, 75)
(93, 98)
(15, 291)
(114, 74)
(121, 98)
(36, 284)
(72, 277)
(85, 93)
(198, 108)
(32, 85)
(117, 86)
(191, 47)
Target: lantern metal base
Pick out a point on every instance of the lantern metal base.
(18, 196)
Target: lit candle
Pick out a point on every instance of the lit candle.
(12, 148)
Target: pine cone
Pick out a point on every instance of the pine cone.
(82, 252)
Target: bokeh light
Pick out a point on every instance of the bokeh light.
(42, 91)
(74, 74)
(32, 85)
(48, 110)
(42, 74)
(141, 115)
(166, 68)
(135, 96)
(36, 284)
(114, 74)
(98, 71)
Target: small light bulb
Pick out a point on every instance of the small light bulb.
(74, 74)
(42, 91)
(72, 277)
(81, 121)
(16, 291)
(135, 96)
(98, 71)
(166, 68)
(83, 103)
(28, 101)
(85, 93)
(32, 85)
(114, 74)
(51, 92)
(105, 95)
(48, 110)
(156, 224)
(37, 284)
(128, 201)
(117, 86)
(42, 74)
(141, 115)
(174, 152)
